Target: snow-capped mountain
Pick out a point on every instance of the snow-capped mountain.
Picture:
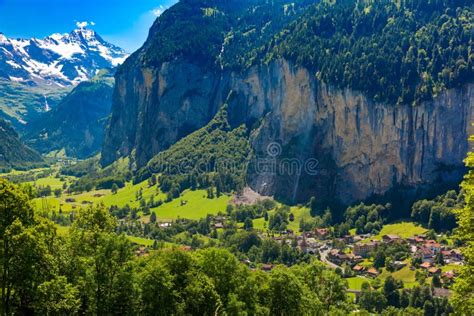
(59, 59)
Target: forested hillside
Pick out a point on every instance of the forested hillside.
(334, 81)
(13, 153)
(77, 124)
(395, 51)
(214, 156)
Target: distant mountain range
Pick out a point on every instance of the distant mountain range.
(57, 60)
(36, 74)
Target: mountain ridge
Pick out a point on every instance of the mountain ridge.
(163, 93)
(77, 123)
(13, 153)
(59, 59)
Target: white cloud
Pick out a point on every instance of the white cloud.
(159, 10)
(84, 24)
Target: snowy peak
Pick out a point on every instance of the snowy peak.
(3, 38)
(59, 59)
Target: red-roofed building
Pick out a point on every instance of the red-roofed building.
(372, 272)
(433, 246)
(391, 238)
(358, 269)
(425, 265)
(434, 270)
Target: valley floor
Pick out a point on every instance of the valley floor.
(146, 201)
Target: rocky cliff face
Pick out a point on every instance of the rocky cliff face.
(308, 138)
(360, 147)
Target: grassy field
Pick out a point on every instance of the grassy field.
(402, 229)
(141, 241)
(196, 205)
(127, 195)
(191, 204)
(54, 183)
(405, 274)
(355, 283)
(450, 267)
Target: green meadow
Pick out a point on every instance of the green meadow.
(192, 205)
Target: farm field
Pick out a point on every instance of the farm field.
(402, 229)
(355, 283)
(405, 274)
(192, 205)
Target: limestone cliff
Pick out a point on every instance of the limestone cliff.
(356, 147)
(304, 78)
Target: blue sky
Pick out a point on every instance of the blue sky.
(121, 22)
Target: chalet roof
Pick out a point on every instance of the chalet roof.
(426, 251)
(358, 268)
(425, 265)
(373, 271)
(434, 270)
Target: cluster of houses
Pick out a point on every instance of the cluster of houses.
(426, 250)
(316, 242)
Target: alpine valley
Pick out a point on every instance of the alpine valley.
(252, 157)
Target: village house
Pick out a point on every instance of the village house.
(142, 251)
(425, 254)
(246, 261)
(358, 269)
(365, 249)
(219, 222)
(433, 246)
(425, 265)
(372, 272)
(218, 225)
(165, 225)
(434, 270)
(340, 257)
(391, 238)
(448, 277)
(451, 255)
(417, 239)
(322, 233)
(308, 245)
